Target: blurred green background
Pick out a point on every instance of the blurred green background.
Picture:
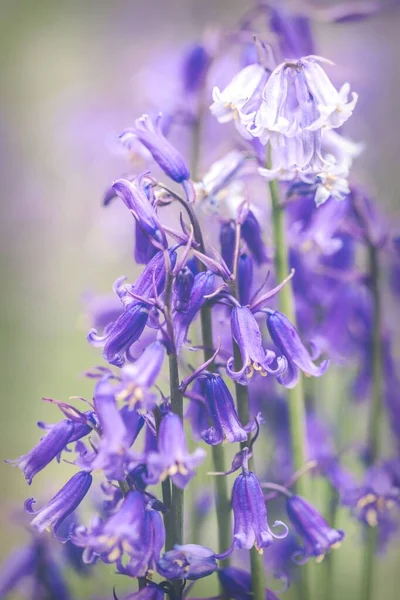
(73, 77)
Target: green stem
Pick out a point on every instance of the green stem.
(295, 396)
(375, 418)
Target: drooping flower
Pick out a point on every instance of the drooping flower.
(219, 401)
(252, 235)
(164, 153)
(317, 535)
(172, 459)
(135, 198)
(190, 561)
(255, 359)
(119, 533)
(286, 338)
(62, 504)
(50, 446)
(121, 334)
(183, 286)
(237, 584)
(250, 514)
(139, 376)
(241, 97)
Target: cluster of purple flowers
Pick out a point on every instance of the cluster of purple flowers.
(197, 303)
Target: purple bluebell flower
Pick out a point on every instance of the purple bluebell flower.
(48, 448)
(237, 584)
(252, 235)
(183, 286)
(317, 535)
(120, 533)
(219, 401)
(250, 514)
(194, 69)
(255, 359)
(120, 335)
(164, 153)
(62, 504)
(173, 459)
(203, 285)
(190, 561)
(376, 497)
(286, 338)
(134, 195)
(245, 278)
(144, 559)
(115, 439)
(139, 376)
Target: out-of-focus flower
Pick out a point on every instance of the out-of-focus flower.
(191, 561)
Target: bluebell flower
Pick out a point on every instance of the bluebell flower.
(252, 235)
(237, 585)
(134, 195)
(143, 561)
(118, 534)
(173, 459)
(50, 446)
(317, 535)
(376, 497)
(194, 68)
(255, 359)
(190, 561)
(203, 285)
(164, 153)
(144, 250)
(120, 335)
(250, 514)
(241, 98)
(139, 376)
(183, 286)
(225, 421)
(286, 338)
(62, 504)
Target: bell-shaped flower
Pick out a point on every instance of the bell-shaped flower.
(221, 408)
(164, 153)
(120, 335)
(190, 561)
(317, 535)
(255, 359)
(144, 560)
(172, 458)
(287, 339)
(250, 514)
(118, 534)
(135, 198)
(183, 286)
(139, 376)
(332, 182)
(62, 504)
(49, 447)
(245, 278)
(240, 98)
(252, 234)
